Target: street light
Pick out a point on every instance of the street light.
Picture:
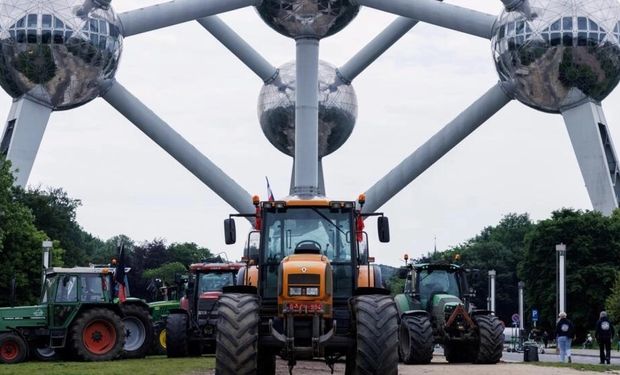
(561, 280)
(47, 251)
(521, 286)
(492, 274)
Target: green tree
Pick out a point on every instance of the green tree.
(20, 243)
(188, 252)
(612, 303)
(166, 272)
(593, 247)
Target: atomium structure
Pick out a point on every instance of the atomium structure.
(556, 56)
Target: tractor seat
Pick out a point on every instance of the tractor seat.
(307, 248)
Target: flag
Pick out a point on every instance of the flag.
(119, 273)
(270, 197)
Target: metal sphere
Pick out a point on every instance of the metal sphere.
(337, 110)
(566, 52)
(307, 18)
(58, 51)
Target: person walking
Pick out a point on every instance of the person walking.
(604, 333)
(564, 332)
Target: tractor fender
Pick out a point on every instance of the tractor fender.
(240, 289)
(416, 313)
(364, 291)
(137, 302)
(402, 303)
(480, 312)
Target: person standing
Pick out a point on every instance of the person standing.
(564, 332)
(604, 334)
(545, 338)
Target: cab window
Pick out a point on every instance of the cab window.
(67, 289)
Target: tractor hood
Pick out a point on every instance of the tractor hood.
(23, 316)
(444, 304)
(210, 295)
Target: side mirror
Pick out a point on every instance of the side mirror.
(383, 227)
(230, 231)
(402, 272)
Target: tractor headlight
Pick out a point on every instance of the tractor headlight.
(294, 291)
(312, 291)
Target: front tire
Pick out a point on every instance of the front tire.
(416, 339)
(98, 335)
(176, 336)
(236, 351)
(13, 348)
(376, 322)
(138, 331)
(491, 333)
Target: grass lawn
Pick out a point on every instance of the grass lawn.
(148, 366)
(578, 366)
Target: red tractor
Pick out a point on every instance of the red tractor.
(191, 329)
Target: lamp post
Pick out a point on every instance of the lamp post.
(521, 324)
(561, 272)
(492, 274)
(47, 251)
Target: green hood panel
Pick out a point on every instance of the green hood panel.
(23, 316)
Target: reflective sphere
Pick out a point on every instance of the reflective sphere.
(309, 18)
(337, 110)
(567, 51)
(58, 51)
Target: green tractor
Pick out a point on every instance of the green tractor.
(435, 309)
(161, 309)
(79, 316)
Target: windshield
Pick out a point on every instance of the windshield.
(214, 281)
(435, 282)
(47, 288)
(320, 228)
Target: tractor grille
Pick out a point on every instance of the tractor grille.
(304, 279)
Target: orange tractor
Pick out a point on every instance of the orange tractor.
(309, 291)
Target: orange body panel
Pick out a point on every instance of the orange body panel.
(303, 272)
(366, 279)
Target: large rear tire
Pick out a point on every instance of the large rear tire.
(376, 323)
(491, 344)
(13, 348)
(138, 331)
(416, 339)
(176, 336)
(236, 351)
(97, 335)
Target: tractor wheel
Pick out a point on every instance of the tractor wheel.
(159, 340)
(491, 335)
(236, 349)
(457, 352)
(376, 323)
(13, 348)
(42, 352)
(176, 336)
(97, 335)
(416, 339)
(138, 331)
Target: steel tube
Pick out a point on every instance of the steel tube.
(307, 118)
(239, 47)
(162, 15)
(436, 147)
(492, 275)
(178, 147)
(438, 13)
(521, 308)
(371, 52)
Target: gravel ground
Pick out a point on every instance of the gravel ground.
(438, 367)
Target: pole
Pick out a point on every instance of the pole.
(492, 274)
(47, 251)
(307, 118)
(521, 320)
(561, 250)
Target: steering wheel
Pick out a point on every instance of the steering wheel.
(311, 242)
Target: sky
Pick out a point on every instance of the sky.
(519, 161)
